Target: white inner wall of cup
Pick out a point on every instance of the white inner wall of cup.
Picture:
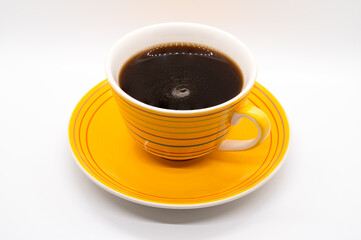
(146, 37)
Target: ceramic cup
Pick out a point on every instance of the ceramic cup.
(186, 134)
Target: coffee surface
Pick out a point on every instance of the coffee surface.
(181, 76)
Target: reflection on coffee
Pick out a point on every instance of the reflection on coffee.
(181, 76)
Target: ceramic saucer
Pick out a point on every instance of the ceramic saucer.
(108, 155)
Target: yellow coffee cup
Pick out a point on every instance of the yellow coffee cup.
(186, 134)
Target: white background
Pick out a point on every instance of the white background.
(309, 57)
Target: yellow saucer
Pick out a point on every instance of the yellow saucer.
(108, 155)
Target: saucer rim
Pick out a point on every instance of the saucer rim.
(179, 206)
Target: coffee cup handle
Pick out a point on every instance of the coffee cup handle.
(258, 117)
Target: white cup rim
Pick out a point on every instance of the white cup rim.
(251, 79)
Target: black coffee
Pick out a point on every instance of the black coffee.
(181, 76)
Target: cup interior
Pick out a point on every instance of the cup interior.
(146, 37)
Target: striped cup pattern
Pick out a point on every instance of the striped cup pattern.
(177, 136)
